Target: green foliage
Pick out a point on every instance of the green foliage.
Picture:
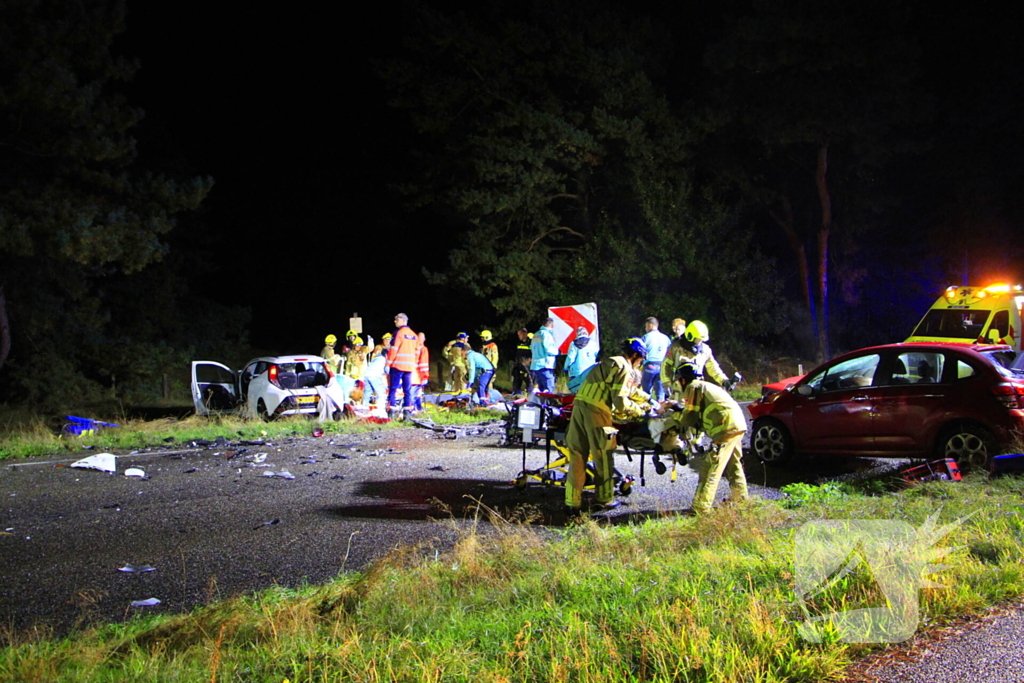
(800, 494)
(84, 227)
(549, 143)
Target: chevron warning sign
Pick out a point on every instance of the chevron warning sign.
(568, 318)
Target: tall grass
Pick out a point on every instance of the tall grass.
(670, 599)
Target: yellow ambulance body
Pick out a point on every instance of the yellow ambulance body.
(974, 315)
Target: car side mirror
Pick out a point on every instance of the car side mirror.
(805, 390)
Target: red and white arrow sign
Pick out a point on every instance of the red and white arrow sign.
(568, 319)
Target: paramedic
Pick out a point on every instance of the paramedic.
(657, 343)
(544, 352)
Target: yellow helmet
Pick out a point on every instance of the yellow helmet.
(351, 333)
(696, 332)
(330, 339)
(486, 335)
(387, 336)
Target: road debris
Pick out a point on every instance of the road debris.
(149, 602)
(284, 474)
(134, 472)
(137, 568)
(270, 523)
(104, 462)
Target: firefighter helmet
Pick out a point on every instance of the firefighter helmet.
(486, 335)
(634, 345)
(330, 339)
(687, 372)
(696, 332)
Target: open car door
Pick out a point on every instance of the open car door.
(214, 388)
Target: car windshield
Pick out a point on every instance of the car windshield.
(953, 324)
(849, 374)
(1008, 363)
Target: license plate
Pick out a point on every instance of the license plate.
(306, 400)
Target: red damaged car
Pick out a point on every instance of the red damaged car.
(901, 400)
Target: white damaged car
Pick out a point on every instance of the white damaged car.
(269, 387)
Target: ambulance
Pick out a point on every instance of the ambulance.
(974, 315)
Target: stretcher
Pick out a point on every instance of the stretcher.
(555, 411)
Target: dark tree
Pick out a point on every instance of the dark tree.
(548, 144)
(76, 209)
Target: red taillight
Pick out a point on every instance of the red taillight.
(272, 375)
(1010, 395)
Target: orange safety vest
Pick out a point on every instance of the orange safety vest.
(423, 365)
(403, 350)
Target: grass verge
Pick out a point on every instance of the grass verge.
(35, 437)
(670, 599)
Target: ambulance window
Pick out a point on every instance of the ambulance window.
(1001, 322)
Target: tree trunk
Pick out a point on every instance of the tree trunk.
(785, 221)
(5, 329)
(821, 179)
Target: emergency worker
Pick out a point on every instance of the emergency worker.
(454, 353)
(710, 408)
(335, 361)
(590, 434)
(582, 356)
(375, 377)
(401, 362)
(490, 350)
(421, 376)
(657, 343)
(522, 382)
(481, 371)
(544, 352)
(692, 348)
(355, 355)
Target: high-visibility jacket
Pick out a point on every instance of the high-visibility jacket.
(491, 351)
(681, 351)
(712, 409)
(543, 349)
(477, 364)
(422, 374)
(608, 385)
(403, 350)
(453, 354)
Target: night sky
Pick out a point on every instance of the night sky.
(283, 110)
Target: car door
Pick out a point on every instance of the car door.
(914, 389)
(214, 388)
(832, 409)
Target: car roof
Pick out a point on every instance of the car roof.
(288, 359)
(969, 348)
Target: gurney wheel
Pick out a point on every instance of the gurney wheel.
(626, 486)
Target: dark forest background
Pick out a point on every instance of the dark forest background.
(805, 177)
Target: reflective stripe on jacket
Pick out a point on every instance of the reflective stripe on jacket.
(712, 409)
(607, 384)
(403, 350)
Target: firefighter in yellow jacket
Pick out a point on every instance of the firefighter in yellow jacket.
(691, 347)
(710, 408)
(590, 433)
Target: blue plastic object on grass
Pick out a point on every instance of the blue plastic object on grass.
(80, 426)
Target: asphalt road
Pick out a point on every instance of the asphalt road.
(213, 525)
